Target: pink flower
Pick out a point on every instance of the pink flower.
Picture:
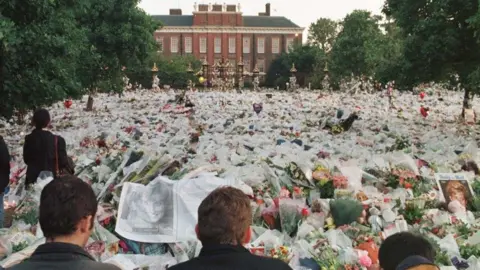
(365, 261)
(284, 193)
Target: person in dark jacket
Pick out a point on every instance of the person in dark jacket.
(67, 211)
(224, 219)
(39, 151)
(406, 251)
(4, 174)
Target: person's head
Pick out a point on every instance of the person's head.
(41, 118)
(67, 210)
(224, 217)
(457, 192)
(398, 247)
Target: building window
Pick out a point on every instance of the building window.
(289, 44)
(261, 45)
(246, 45)
(203, 45)
(275, 45)
(174, 44)
(160, 44)
(231, 45)
(218, 45)
(261, 65)
(188, 45)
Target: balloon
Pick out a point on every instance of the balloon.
(257, 107)
(201, 80)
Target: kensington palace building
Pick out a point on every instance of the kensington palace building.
(214, 32)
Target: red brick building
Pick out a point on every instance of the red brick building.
(216, 31)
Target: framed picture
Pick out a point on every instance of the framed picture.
(454, 187)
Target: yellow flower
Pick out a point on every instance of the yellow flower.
(324, 268)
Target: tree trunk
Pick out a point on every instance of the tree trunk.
(89, 104)
(466, 102)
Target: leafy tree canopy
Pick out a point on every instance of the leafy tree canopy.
(305, 57)
(322, 33)
(350, 53)
(440, 39)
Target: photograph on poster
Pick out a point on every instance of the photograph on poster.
(454, 187)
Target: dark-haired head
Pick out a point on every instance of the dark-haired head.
(67, 210)
(41, 118)
(396, 248)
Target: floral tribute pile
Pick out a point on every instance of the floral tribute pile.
(320, 199)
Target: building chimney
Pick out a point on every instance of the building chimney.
(175, 11)
(267, 10)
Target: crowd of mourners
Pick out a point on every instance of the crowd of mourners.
(68, 208)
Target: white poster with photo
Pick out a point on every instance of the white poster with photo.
(164, 211)
(454, 186)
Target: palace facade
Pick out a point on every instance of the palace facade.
(214, 32)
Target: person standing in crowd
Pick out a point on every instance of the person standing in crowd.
(4, 174)
(67, 212)
(42, 149)
(406, 251)
(224, 219)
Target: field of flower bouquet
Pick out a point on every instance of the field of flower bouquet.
(320, 199)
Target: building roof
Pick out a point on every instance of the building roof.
(248, 21)
(268, 21)
(174, 20)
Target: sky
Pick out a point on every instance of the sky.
(301, 12)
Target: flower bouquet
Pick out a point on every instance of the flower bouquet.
(290, 215)
(298, 175)
(283, 253)
(401, 178)
(323, 181)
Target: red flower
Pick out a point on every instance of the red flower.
(297, 190)
(123, 245)
(408, 185)
(98, 161)
(270, 220)
(101, 144)
(305, 212)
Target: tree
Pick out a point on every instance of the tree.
(40, 45)
(173, 71)
(305, 58)
(350, 53)
(385, 55)
(121, 35)
(322, 33)
(440, 40)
